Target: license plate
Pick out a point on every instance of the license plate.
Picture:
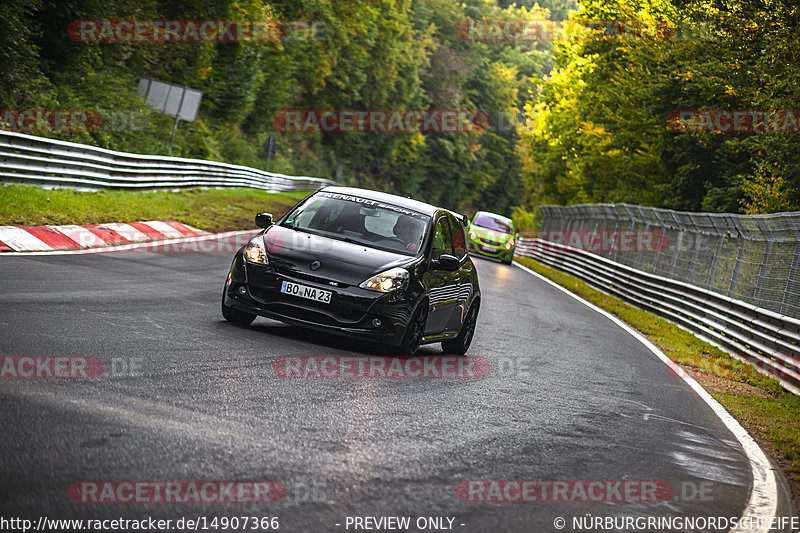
(304, 291)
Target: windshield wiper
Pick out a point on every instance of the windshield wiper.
(347, 239)
(305, 230)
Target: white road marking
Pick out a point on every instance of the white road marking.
(132, 246)
(19, 239)
(763, 504)
(81, 235)
(166, 229)
(127, 231)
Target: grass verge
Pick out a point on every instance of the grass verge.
(208, 209)
(767, 411)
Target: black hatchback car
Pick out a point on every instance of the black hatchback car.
(363, 264)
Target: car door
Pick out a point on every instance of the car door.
(464, 274)
(442, 285)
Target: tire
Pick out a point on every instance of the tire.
(234, 315)
(460, 344)
(507, 261)
(412, 339)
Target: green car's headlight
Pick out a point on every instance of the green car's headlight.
(473, 235)
(509, 244)
(254, 252)
(387, 281)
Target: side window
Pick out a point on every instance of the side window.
(459, 238)
(441, 239)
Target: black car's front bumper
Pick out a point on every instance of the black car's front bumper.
(255, 289)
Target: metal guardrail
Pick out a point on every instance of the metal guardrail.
(53, 163)
(764, 338)
(752, 258)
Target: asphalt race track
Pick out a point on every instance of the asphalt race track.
(187, 396)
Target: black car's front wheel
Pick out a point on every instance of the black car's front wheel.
(460, 344)
(234, 315)
(415, 331)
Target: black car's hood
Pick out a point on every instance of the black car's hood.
(294, 251)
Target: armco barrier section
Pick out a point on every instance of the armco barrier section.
(752, 258)
(767, 339)
(52, 163)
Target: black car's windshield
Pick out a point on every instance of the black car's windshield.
(361, 221)
(492, 223)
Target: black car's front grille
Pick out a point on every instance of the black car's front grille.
(309, 277)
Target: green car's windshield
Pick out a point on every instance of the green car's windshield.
(360, 221)
(487, 222)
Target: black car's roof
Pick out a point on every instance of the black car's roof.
(399, 201)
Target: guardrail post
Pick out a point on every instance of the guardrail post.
(637, 263)
(614, 210)
(791, 281)
(739, 259)
(678, 247)
(663, 228)
(762, 274)
(714, 261)
(698, 242)
(762, 271)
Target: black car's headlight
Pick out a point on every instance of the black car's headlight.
(254, 252)
(388, 281)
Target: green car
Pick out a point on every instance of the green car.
(492, 235)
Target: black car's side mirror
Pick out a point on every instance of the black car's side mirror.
(446, 262)
(264, 220)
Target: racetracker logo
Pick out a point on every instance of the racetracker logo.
(50, 120)
(543, 30)
(23, 367)
(175, 31)
(607, 241)
(734, 121)
(177, 492)
(563, 491)
(375, 367)
(382, 121)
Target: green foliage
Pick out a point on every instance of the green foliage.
(383, 55)
(600, 130)
(594, 108)
(526, 222)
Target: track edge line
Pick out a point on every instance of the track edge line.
(763, 505)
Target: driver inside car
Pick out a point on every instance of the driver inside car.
(406, 230)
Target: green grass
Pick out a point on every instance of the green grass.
(208, 209)
(759, 403)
